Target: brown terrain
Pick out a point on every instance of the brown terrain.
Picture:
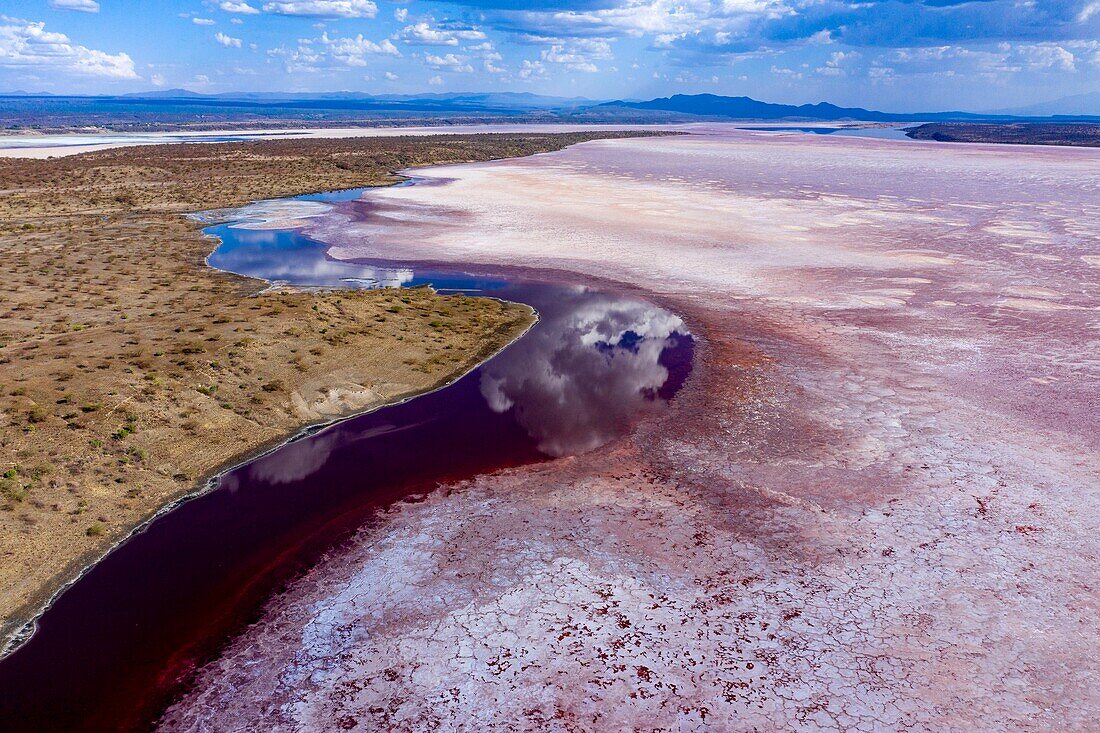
(1080, 134)
(874, 507)
(130, 371)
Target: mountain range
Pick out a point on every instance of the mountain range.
(714, 106)
(181, 106)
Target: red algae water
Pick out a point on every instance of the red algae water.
(121, 642)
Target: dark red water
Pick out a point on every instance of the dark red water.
(119, 644)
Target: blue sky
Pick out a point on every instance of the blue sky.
(897, 55)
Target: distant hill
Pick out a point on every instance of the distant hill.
(167, 109)
(1078, 104)
(747, 108)
(456, 100)
(166, 94)
(514, 100)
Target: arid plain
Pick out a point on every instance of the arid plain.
(873, 507)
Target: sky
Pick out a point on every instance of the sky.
(893, 55)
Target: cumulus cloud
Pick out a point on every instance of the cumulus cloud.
(449, 62)
(390, 76)
(785, 73)
(489, 56)
(530, 70)
(83, 6)
(426, 34)
(575, 54)
(690, 41)
(202, 21)
(1045, 56)
(238, 7)
(303, 59)
(227, 41)
(324, 8)
(837, 64)
(993, 63)
(436, 81)
(313, 54)
(28, 45)
(668, 22)
(354, 51)
(702, 33)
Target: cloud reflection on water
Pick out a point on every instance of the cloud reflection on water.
(285, 256)
(591, 367)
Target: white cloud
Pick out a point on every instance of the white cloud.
(400, 14)
(489, 56)
(569, 58)
(425, 34)
(354, 51)
(236, 21)
(201, 82)
(1043, 56)
(532, 70)
(436, 81)
(670, 19)
(324, 8)
(786, 73)
(450, 62)
(227, 41)
(838, 63)
(1088, 11)
(83, 6)
(202, 21)
(996, 63)
(302, 59)
(576, 54)
(26, 44)
(238, 7)
(313, 54)
(157, 80)
(390, 76)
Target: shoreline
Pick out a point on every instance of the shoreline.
(208, 481)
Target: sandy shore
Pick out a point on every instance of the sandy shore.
(48, 146)
(874, 507)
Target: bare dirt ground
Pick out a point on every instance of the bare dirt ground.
(874, 507)
(129, 370)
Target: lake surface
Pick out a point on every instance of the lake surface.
(67, 141)
(119, 644)
(882, 133)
